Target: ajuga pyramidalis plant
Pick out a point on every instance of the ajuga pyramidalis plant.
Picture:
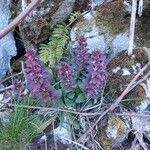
(97, 74)
(81, 53)
(18, 87)
(65, 75)
(38, 77)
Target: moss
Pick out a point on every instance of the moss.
(117, 124)
(117, 82)
(113, 16)
(143, 30)
(114, 123)
(103, 140)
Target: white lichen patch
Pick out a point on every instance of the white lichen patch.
(73, 35)
(126, 72)
(120, 42)
(1, 97)
(138, 65)
(141, 124)
(43, 138)
(96, 42)
(4, 117)
(143, 105)
(63, 132)
(136, 68)
(127, 6)
(111, 132)
(115, 70)
(93, 31)
(24, 4)
(88, 16)
(94, 3)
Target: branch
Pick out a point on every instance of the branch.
(19, 18)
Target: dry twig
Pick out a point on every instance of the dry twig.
(132, 27)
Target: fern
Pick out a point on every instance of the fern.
(54, 49)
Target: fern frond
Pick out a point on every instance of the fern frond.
(74, 16)
(54, 49)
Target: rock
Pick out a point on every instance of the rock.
(7, 43)
(107, 28)
(63, 132)
(141, 125)
(97, 31)
(121, 70)
(81, 5)
(36, 27)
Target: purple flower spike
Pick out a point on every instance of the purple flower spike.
(81, 53)
(38, 78)
(18, 86)
(97, 74)
(65, 74)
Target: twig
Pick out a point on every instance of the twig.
(45, 142)
(132, 27)
(140, 8)
(8, 88)
(51, 109)
(24, 73)
(55, 143)
(12, 81)
(19, 18)
(141, 80)
(139, 137)
(7, 78)
(115, 104)
(133, 114)
(82, 146)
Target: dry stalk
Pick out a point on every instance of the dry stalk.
(132, 27)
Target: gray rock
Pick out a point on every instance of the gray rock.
(7, 43)
(107, 28)
(36, 27)
(120, 42)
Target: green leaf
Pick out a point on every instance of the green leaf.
(73, 121)
(81, 98)
(71, 95)
(54, 49)
(69, 102)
